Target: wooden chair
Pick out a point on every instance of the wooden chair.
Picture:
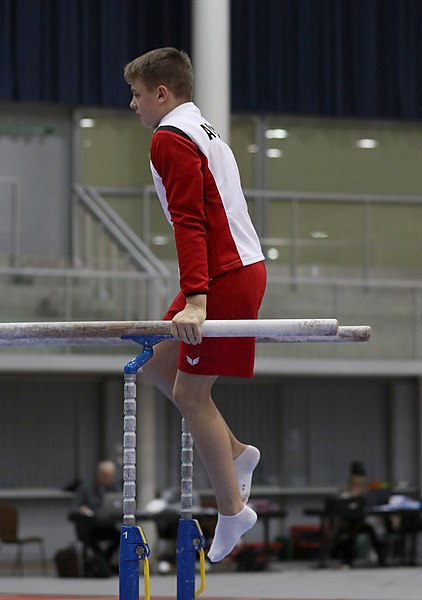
(9, 528)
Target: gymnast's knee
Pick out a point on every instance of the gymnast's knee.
(184, 398)
(191, 392)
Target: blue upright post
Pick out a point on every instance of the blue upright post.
(133, 549)
(190, 539)
(189, 536)
(133, 545)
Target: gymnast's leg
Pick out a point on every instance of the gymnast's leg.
(161, 369)
(192, 395)
(229, 463)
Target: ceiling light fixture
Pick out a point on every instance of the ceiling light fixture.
(276, 134)
(273, 253)
(319, 235)
(160, 240)
(367, 143)
(87, 123)
(274, 153)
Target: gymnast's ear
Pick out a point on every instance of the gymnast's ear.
(163, 93)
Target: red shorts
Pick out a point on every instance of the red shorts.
(236, 294)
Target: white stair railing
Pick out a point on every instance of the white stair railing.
(102, 239)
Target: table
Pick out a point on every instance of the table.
(386, 511)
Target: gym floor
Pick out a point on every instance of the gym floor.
(283, 581)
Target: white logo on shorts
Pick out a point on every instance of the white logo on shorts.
(192, 361)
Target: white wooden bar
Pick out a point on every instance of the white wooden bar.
(82, 333)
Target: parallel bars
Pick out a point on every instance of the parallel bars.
(134, 547)
(81, 333)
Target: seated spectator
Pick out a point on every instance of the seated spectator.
(357, 484)
(351, 524)
(97, 513)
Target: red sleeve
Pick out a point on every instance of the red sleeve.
(178, 163)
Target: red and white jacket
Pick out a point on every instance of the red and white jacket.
(198, 183)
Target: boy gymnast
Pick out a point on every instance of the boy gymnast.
(222, 276)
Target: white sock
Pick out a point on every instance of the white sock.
(229, 530)
(244, 466)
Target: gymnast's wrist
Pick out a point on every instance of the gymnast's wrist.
(197, 300)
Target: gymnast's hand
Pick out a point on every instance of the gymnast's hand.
(186, 325)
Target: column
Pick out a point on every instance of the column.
(211, 62)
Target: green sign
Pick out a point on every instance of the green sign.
(25, 130)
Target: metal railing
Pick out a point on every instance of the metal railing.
(393, 309)
(360, 242)
(388, 298)
(146, 195)
(357, 244)
(10, 223)
(101, 239)
(117, 276)
(34, 294)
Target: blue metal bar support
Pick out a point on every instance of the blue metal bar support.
(133, 545)
(189, 540)
(133, 549)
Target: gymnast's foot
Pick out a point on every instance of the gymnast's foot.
(229, 530)
(244, 467)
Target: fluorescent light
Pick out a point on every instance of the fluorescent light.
(274, 153)
(87, 123)
(273, 253)
(160, 240)
(276, 134)
(319, 235)
(253, 148)
(366, 143)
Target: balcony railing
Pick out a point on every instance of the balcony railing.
(363, 268)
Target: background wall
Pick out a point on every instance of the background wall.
(309, 429)
(357, 60)
(36, 153)
(54, 428)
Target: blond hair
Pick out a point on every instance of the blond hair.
(163, 66)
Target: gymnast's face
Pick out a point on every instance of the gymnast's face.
(150, 105)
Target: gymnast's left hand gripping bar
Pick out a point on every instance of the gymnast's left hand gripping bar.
(133, 544)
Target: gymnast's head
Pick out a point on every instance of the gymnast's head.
(166, 66)
(160, 80)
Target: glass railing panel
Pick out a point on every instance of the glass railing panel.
(395, 237)
(276, 237)
(392, 312)
(243, 144)
(144, 214)
(329, 233)
(286, 300)
(32, 297)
